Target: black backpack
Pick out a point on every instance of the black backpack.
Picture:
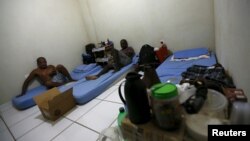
(88, 48)
(147, 56)
(89, 56)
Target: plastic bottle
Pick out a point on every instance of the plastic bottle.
(121, 116)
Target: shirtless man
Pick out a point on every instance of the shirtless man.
(46, 73)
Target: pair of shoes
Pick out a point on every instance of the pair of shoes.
(93, 77)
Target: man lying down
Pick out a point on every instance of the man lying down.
(49, 75)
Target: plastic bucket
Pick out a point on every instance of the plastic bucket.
(215, 105)
(212, 112)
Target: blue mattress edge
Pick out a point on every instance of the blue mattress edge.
(26, 101)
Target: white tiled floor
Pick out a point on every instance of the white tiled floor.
(82, 123)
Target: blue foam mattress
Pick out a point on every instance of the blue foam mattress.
(84, 70)
(83, 90)
(170, 71)
(26, 100)
(87, 90)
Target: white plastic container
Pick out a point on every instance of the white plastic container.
(215, 105)
(240, 113)
(197, 126)
(212, 112)
(110, 134)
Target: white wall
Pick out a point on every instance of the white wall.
(232, 26)
(32, 28)
(58, 30)
(181, 23)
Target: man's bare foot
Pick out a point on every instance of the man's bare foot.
(93, 77)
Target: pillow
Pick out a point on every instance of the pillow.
(196, 52)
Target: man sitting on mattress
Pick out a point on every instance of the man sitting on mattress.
(48, 75)
(116, 59)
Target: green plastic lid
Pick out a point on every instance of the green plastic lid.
(164, 90)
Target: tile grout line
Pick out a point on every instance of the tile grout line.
(86, 111)
(113, 122)
(83, 126)
(8, 129)
(87, 127)
(66, 127)
(23, 119)
(100, 100)
(112, 101)
(107, 95)
(61, 131)
(31, 129)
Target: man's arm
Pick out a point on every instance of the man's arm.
(129, 51)
(50, 84)
(31, 76)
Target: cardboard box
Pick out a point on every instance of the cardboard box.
(53, 104)
(149, 132)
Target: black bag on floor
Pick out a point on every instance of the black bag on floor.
(89, 56)
(147, 56)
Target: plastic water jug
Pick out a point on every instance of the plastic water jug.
(136, 99)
